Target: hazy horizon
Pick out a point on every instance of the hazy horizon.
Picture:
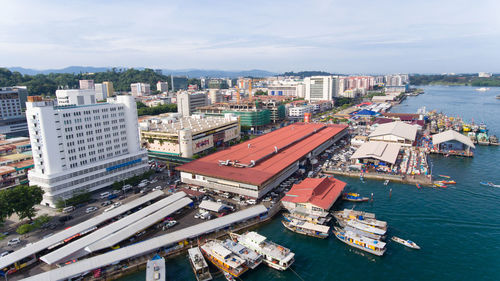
(278, 36)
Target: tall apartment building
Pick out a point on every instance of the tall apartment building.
(140, 89)
(82, 146)
(12, 119)
(188, 102)
(101, 91)
(321, 88)
(298, 112)
(162, 86)
(87, 84)
(396, 79)
(109, 87)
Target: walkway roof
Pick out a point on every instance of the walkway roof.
(139, 225)
(75, 246)
(387, 152)
(81, 227)
(147, 246)
(451, 135)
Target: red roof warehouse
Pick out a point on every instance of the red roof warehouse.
(319, 192)
(256, 166)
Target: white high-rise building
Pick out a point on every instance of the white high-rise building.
(101, 91)
(86, 84)
(140, 89)
(321, 88)
(188, 102)
(162, 86)
(79, 145)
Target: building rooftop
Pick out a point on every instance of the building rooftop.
(451, 135)
(387, 152)
(397, 128)
(195, 123)
(6, 170)
(321, 192)
(258, 160)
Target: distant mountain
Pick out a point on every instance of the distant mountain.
(192, 73)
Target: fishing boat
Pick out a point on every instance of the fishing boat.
(155, 269)
(223, 259)
(252, 258)
(274, 255)
(307, 228)
(306, 217)
(228, 276)
(407, 243)
(483, 128)
(386, 182)
(199, 265)
(466, 128)
(366, 244)
(354, 197)
(489, 184)
(493, 140)
(363, 229)
(443, 176)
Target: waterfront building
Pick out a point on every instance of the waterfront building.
(162, 86)
(186, 136)
(79, 145)
(396, 79)
(86, 84)
(452, 142)
(395, 132)
(257, 166)
(188, 102)
(313, 196)
(140, 89)
(321, 88)
(377, 153)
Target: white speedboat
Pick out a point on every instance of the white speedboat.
(407, 243)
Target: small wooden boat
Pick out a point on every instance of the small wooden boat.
(442, 185)
(443, 176)
(447, 182)
(386, 182)
(418, 186)
(489, 184)
(354, 197)
(407, 243)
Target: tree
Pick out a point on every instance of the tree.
(5, 208)
(260, 93)
(23, 199)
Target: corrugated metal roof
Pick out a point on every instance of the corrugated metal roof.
(387, 152)
(451, 135)
(60, 236)
(397, 128)
(73, 247)
(147, 246)
(139, 225)
(211, 206)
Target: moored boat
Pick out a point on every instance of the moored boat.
(199, 265)
(439, 184)
(308, 217)
(363, 229)
(223, 259)
(418, 185)
(361, 217)
(307, 228)
(251, 258)
(493, 140)
(155, 269)
(366, 244)
(274, 255)
(354, 197)
(407, 243)
(228, 276)
(489, 184)
(386, 182)
(447, 182)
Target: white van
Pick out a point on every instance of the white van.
(105, 195)
(68, 209)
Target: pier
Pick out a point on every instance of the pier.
(406, 179)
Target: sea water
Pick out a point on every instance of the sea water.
(458, 228)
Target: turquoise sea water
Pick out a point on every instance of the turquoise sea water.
(458, 228)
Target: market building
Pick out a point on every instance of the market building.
(395, 132)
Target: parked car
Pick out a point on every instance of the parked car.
(117, 204)
(106, 203)
(126, 187)
(5, 253)
(251, 201)
(105, 195)
(14, 241)
(112, 196)
(68, 209)
(117, 192)
(65, 218)
(158, 188)
(91, 209)
(122, 197)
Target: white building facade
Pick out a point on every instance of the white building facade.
(321, 88)
(84, 147)
(188, 102)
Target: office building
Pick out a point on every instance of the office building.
(298, 112)
(87, 84)
(12, 119)
(82, 146)
(173, 134)
(101, 91)
(321, 88)
(109, 87)
(162, 86)
(188, 102)
(140, 89)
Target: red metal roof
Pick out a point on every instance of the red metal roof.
(293, 142)
(321, 192)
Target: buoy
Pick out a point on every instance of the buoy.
(390, 192)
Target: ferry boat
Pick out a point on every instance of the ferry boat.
(407, 243)
(274, 255)
(366, 244)
(307, 217)
(363, 229)
(155, 269)
(223, 259)
(360, 217)
(252, 258)
(307, 228)
(199, 265)
(354, 197)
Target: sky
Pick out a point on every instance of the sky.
(372, 36)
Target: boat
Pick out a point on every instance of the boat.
(498, 96)
(418, 185)
(307, 228)
(228, 276)
(363, 229)
(199, 265)
(386, 182)
(274, 255)
(443, 176)
(482, 139)
(447, 182)
(362, 217)
(482, 89)
(307, 217)
(438, 184)
(366, 244)
(466, 128)
(223, 258)
(489, 184)
(155, 269)
(493, 140)
(354, 197)
(251, 258)
(407, 243)
(483, 128)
